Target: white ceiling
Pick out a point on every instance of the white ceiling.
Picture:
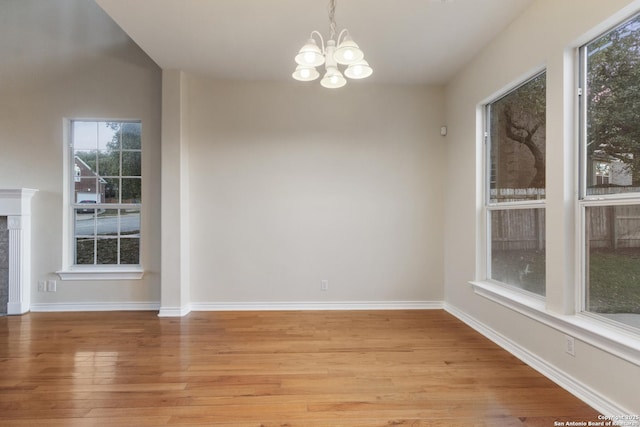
(405, 41)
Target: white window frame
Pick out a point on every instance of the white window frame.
(612, 337)
(87, 272)
(504, 289)
(586, 201)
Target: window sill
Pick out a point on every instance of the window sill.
(602, 335)
(133, 272)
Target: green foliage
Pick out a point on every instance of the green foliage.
(527, 104)
(614, 276)
(122, 158)
(613, 96)
(614, 281)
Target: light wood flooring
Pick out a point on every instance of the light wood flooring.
(309, 368)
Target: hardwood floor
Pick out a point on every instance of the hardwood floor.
(362, 368)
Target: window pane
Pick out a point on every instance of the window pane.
(518, 248)
(613, 262)
(131, 190)
(109, 163)
(517, 143)
(108, 136)
(130, 251)
(84, 251)
(107, 251)
(130, 222)
(112, 190)
(84, 222)
(131, 139)
(613, 108)
(108, 223)
(131, 163)
(84, 163)
(85, 135)
(86, 189)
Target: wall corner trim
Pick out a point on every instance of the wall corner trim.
(175, 311)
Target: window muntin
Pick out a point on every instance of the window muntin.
(610, 179)
(107, 192)
(515, 187)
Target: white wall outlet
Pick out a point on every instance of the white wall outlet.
(51, 286)
(570, 345)
(324, 285)
(42, 286)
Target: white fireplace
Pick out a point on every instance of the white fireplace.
(15, 204)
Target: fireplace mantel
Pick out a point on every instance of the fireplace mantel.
(15, 204)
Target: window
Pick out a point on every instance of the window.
(610, 175)
(106, 192)
(515, 187)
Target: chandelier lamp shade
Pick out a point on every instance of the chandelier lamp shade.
(340, 50)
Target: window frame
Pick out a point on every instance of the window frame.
(82, 272)
(581, 287)
(563, 316)
(586, 201)
(488, 207)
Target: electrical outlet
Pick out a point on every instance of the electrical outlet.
(324, 285)
(570, 345)
(42, 286)
(51, 285)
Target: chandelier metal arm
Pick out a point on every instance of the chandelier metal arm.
(344, 33)
(322, 45)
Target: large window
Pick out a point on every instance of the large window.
(515, 187)
(610, 174)
(106, 192)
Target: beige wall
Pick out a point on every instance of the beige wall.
(292, 184)
(67, 59)
(544, 36)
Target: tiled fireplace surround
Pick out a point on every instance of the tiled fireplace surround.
(15, 250)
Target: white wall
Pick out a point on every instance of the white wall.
(544, 36)
(67, 59)
(292, 184)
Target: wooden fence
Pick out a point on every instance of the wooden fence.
(609, 227)
(613, 227)
(516, 194)
(518, 229)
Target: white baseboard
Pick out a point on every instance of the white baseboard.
(573, 386)
(329, 305)
(96, 306)
(237, 306)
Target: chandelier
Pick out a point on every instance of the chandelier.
(338, 50)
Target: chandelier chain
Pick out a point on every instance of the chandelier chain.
(332, 18)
